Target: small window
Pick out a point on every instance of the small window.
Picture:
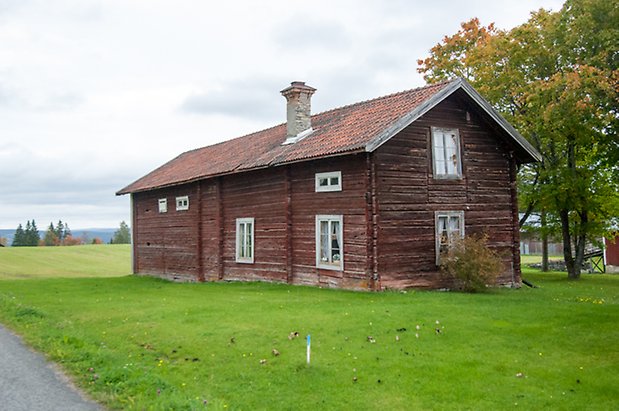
(182, 203)
(163, 205)
(245, 240)
(329, 242)
(446, 153)
(329, 181)
(449, 227)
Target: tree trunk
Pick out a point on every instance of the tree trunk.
(544, 243)
(573, 272)
(581, 241)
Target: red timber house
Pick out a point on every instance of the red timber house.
(360, 197)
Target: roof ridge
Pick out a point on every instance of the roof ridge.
(346, 106)
(390, 95)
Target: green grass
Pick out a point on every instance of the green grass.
(75, 261)
(536, 258)
(143, 343)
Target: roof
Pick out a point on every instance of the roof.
(359, 127)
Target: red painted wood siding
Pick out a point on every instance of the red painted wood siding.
(350, 202)
(166, 244)
(408, 196)
(612, 251)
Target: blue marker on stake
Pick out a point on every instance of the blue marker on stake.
(308, 348)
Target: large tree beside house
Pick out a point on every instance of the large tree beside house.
(556, 77)
(366, 196)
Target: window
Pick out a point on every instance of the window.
(245, 240)
(449, 227)
(182, 203)
(163, 205)
(329, 181)
(446, 153)
(329, 244)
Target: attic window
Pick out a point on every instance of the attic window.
(298, 137)
(182, 203)
(446, 153)
(163, 205)
(329, 181)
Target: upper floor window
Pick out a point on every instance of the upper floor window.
(163, 205)
(245, 240)
(446, 159)
(329, 181)
(329, 242)
(182, 203)
(449, 227)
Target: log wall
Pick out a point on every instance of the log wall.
(200, 243)
(408, 196)
(166, 244)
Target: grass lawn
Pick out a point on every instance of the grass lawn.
(142, 343)
(76, 261)
(537, 258)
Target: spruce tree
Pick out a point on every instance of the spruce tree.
(51, 238)
(122, 235)
(32, 234)
(60, 231)
(19, 237)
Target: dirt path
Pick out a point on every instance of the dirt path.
(29, 382)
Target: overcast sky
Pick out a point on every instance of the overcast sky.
(96, 93)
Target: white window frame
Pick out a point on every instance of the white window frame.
(163, 205)
(440, 157)
(329, 176)
(330, 265)
(437, 233)
(242, 249)
(182, 203)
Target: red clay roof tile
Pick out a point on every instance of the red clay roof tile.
(341, 130)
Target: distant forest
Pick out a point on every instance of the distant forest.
(60, 234)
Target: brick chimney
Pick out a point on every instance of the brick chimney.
(298, 108)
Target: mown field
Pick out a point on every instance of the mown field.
(76, 261)
(142, 343)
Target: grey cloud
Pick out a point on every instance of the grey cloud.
(53, 101)
(248, 98)
(300, 32)
(7, 6)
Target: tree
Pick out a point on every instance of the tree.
(31, 234)
(51, 236)
(555, 78)
(19, 238)
(122, 235)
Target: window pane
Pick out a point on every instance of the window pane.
(439, 166)
(249, 230)
(452, 160)
(335, 241)
(323, 182)
(438, 140)
(335, 181)
(442, 230)
(324, 241)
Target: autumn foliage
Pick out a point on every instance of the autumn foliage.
(471, 264)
